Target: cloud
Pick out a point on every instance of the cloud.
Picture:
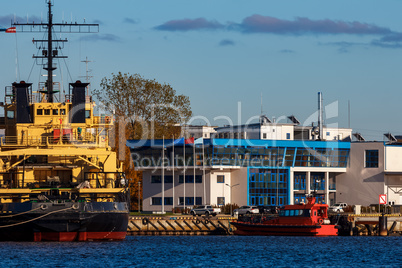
(189, 25)
(226, 42)
(287, 51)
(381, 43)
(8, 19)
(299, 26)
(344, 47)
(267, 24)
(101, 37)
(393, 40)
(98, 22)
(130, 21)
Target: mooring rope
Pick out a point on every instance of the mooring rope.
(14, 215)
(19, 223)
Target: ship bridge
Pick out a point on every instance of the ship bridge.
(31, 121)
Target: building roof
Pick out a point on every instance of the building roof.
(158, 143)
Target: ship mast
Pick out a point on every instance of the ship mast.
(51, 51)
(49, 66)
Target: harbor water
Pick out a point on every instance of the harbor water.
(208, 251)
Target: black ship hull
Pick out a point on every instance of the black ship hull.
(69, 221)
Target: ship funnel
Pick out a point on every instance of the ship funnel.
(78, 109)
(22, 99)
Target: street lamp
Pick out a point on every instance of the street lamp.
(231, 195)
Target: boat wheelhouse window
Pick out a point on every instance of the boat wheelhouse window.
(291, 212)
(62, 111)
(47, 111)
(10, 114)
(287, 212)
(39, 112)
(282, 213)
(55, 111)
(87, 114)
(300, 212)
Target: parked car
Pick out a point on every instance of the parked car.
(268, 209)
(246, 210)
(205, 210)
(338, 207)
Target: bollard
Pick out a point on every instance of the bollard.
(382, 223)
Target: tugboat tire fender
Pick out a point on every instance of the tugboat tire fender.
(43, 206)
(145, 221)
(75, 206)
(320, 221)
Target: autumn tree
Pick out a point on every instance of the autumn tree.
(143, 109)
(149, 108)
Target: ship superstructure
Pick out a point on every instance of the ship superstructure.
(59, 178)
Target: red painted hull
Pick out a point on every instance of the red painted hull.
(284, 230)
(78, 236)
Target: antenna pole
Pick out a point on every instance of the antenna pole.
(50, 56)
(348, 113)
(261, 105)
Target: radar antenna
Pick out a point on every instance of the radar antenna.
(51, 51)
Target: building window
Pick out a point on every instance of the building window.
(169, 179)
(156, 179)
(371, 158)
(220, 179)
(198, 201)
(264, 135)
(189, 201)
(288, 136)
(190, 179)
(156, 201)
(169, 201)
(221, 201)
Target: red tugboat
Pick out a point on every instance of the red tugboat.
(309, 219)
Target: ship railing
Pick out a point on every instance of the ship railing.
(106, 179)
(9, 95)
(35, 141)
(69, 98)
(102, 120)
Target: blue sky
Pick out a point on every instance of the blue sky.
(223, 52)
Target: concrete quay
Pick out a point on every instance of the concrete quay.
(349, 225)
(180, 225)
(368, 224)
